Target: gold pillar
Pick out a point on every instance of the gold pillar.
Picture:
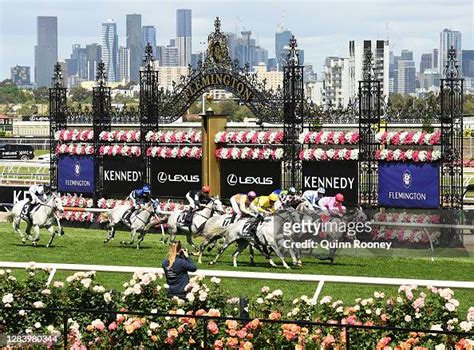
(211, 167)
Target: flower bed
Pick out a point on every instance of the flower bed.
(174, 136)
(407, 217)
(74, 135)
(400, 155)
(175, 152)
(75, 149)
(320, 154)
(329, 137)
(76, 201)
(76, 216)
(408, 138)
(411, 307)
(263, 153)
(250, 137)
(120, 150)
(120, 136)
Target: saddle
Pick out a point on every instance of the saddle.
(27, 210)
(324, 217)
(127, 216)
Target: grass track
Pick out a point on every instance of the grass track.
(81, 246)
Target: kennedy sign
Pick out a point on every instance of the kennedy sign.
(76, 174)
(122, 175)
(334, 176)
(175, 177)
(242, 176)
(224, 80)
(409, 185)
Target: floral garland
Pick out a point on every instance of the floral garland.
(120, 150)
(249, 153)
(78, 216)
(320, 154)
(120, 136)
(73, 135)
(406, 217)
(75, 149)
(329, 137)
(255, 137)
(404, 155)
(408, 138)
(404, 235)
(468, 163)
(76, 201)
(174, 136)
(175, 152)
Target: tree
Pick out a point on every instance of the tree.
(79, 94)
(11, 94)
(41, 94)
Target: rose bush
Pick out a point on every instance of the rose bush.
(248, 153)
(246, 137)
(178, 324)
(329, 137)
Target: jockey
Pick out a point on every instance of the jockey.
(241, 204)
(333, 205)
(39, 194)
(264, 204)
(196, 199)
(312, 197)
(291, 200)
(139, 196)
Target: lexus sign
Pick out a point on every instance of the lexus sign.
(175, 177)
(242, 176)
(334, 176)
(122, 175)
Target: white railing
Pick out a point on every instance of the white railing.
(291, 277)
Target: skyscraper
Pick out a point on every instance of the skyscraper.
(426, 62)
(448, 38)
(436, 59)
(406, 77)
(149, 37)
(46, 50)
(134, 43)
(20, 75)
(468, 63)
(110, 49)
(124, 64)
(184, 35)
(93, 58)
(380, 56)
(282, 39)
(245, 49)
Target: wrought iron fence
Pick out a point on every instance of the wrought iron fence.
(352, 331)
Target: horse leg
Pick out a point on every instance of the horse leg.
(140, 239)
(280, 255)
(241, 245)
(51, 231)
(189, 239)
(110, 233)
(17, 229)
(252, 255)
(221, 251)
(37, 233)
(28, 231)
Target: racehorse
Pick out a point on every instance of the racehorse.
(176, 221)
(41, 216)
(263, 240)
(137, 223)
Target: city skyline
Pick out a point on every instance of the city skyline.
(320, 37)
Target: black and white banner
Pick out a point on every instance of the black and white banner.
(175, 177)
(334, 176)
(13, 194)
(121, 175)
(242, 176)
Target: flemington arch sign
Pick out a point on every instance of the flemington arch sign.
(223, 80)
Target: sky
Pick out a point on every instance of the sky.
(322, 28)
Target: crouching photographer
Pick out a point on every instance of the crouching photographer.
(176, 266)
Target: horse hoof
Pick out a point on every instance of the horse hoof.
(106, 240)
(34, 244)
(211, 262)
(195, 253)
(47, 245)
(23, 241)
(123, 242)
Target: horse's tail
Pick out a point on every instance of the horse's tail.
(10, 217)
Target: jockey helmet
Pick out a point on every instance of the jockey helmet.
(273, 197)
(146, 189)
(292, 190)
(322, 190)
(251, 195)
(339, 197)
(206, 189)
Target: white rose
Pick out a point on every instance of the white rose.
(7, 298)
(86, 282)
(154, 325)
(259, 301)
(37, 325)
(215, 280)
(38, 304)
(46, 292)
(107, 297)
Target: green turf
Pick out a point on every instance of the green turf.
(82, 246)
